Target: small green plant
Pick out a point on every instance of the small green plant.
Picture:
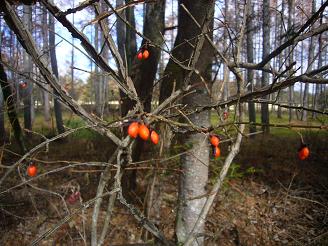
(74, 123)
(235, 172)
(253, 170)
(85, 134)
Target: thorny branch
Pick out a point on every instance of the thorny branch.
(128, 89)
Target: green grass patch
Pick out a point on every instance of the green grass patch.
(277, 131)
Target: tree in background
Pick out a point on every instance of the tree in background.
(197, 53)
(2, 105)
(54, 68)
(250, 58)
(27, 93)
(45, 41)
(291, 25)
(305, 102)
(101, 80)
(143, 72)
(265, 53)
(2, 120)
(11, 107)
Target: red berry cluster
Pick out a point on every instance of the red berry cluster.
(136, 129)
(143, 54)
(215, 140)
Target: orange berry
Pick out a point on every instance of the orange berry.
(214, 140)
(217, 152)
(133, 129)
(154, 137)
(139, 56)
(145, 54)
(143, 132)
(303, 153)
(32, 170)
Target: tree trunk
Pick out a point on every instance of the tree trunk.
(96, 81)
(72, 91)
(194, 163)
(54, 66)
(128, 50)
(143, 72)
(45, 39)
(280, 57)
(302, 70)
(226, 71)
(130, 41)
(28, 66)
(2, 120)
(11, 107)
(250, 59)
(310, 65)
(266, 51)
(194, 179)
(104, 78)
(225, 81)
(291, 10)
(13, 76)
(317, 87)
(2, 105)
(121, 32)
(129, 178)
(100, 81)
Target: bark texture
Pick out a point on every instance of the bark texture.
(310, 65)
(28, 66)
(280, 56)
(45, 40)
(195, 162)
(101, 80)
(250, 59)
(320, 62)
(266, 52)
(142, 72)
(9, 98)
(96, 81)
(54, 67)
(195, 167)
(226, 71)
(2, 120)
(291, 10)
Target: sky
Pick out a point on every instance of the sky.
(64, 48)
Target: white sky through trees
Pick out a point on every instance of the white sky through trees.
(64, 49)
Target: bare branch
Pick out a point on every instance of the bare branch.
(293, 39)
(28, 43)
(80, 7)
(58, 14)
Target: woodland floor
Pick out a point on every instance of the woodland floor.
(269, 197)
